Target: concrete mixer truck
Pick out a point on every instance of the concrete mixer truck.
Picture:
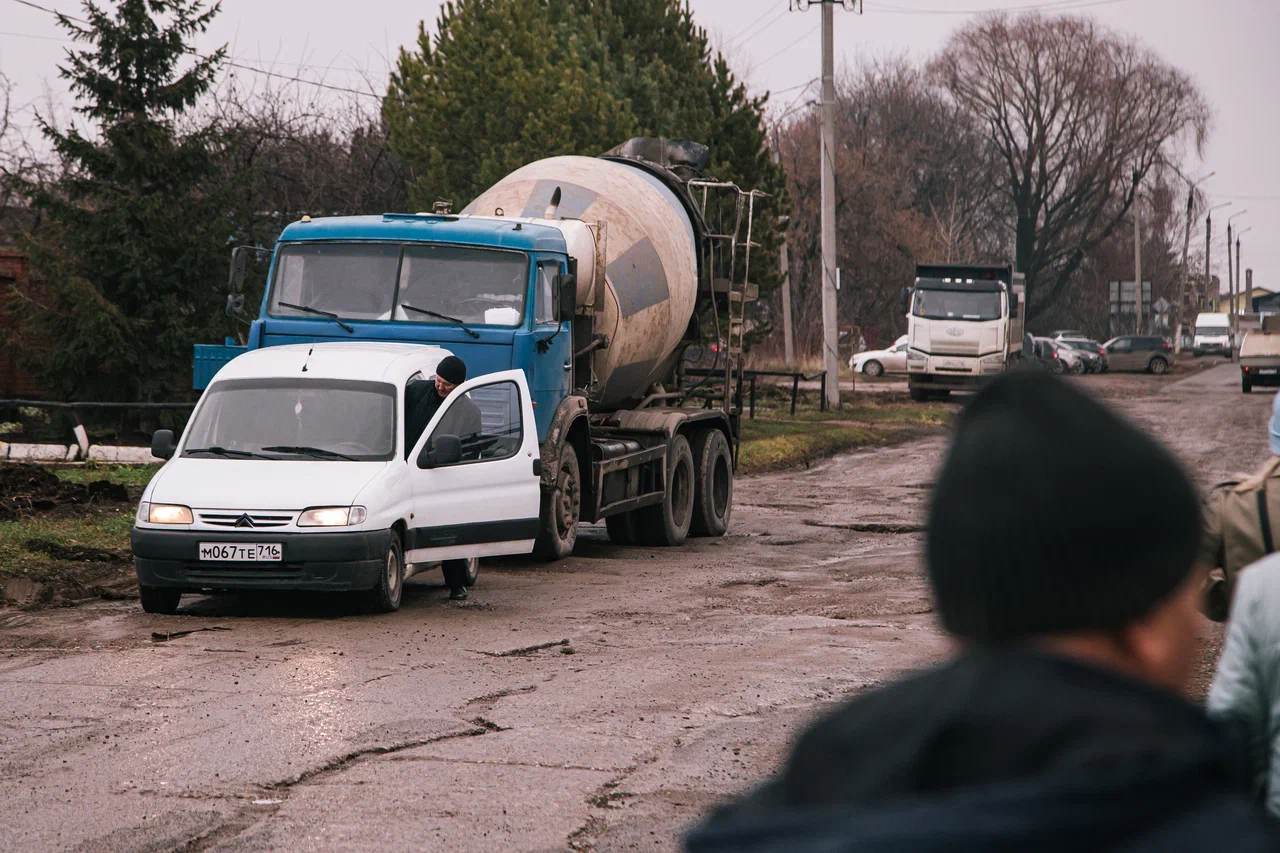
(592, 275)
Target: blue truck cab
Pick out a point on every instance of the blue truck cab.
(487, 289)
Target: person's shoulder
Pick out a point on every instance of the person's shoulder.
(1260, 580)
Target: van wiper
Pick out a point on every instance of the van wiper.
(226, 451)
(472, 332)
(318, 452)
(307, 308)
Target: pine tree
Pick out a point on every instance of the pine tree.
(129, 272)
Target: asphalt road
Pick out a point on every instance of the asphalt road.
(601, 703)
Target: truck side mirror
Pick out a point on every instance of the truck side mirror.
(567, 289)
(239, 263)
(163, 444)
(441, 450)
(1013, 306)
(235, 304)
(904, 299)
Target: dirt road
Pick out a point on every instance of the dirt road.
(601, 703)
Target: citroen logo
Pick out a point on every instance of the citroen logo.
(244, 521)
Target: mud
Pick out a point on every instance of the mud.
(33, 489)
(309, 726)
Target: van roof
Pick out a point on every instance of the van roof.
(1212, 319)
(372, 361)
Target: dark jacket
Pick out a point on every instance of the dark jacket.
(1003, 751)
(422, 401)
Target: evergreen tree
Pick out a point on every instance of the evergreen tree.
(130, 272)
(506, 82)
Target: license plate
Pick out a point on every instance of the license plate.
(241, 552)
(1267, 371)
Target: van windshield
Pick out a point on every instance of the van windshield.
(403, 282)
(324, 419)
(1212, 331)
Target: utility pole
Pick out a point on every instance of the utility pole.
(1186, 248)
(830, 316)
(1232, 285)
(1137, 268)
(1246, 293)
(1208, 249)
(786, 307)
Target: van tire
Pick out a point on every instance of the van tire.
(1158, 366)
(667, 524)
(713, 483)
(386, 593)
(560, 510)
(159, 599)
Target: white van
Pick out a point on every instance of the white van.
(1213, 335)
(293, 474)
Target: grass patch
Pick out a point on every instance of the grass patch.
(107, 527)
(775, 439)
(134, 477)
(769, 445)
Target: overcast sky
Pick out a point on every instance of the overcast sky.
(1229, 47)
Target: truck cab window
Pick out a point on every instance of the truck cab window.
(355, 281)
(476, 286)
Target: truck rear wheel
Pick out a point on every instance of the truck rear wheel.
(561, 508)
(1246, 384)
(919, 395)
(713, 484)
(667, 524)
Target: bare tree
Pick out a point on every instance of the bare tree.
(1079, 117)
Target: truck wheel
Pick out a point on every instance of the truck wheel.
(385, 595)
(622, 528)
(919, 395)
(713, 483)
(1159, 366)
(466, 571)
(667, 524)
(560, 510)
(159, 599)
(1246, 385)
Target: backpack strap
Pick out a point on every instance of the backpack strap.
(1264, 515)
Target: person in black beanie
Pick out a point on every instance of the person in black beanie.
(422, 400)
(1059, 724)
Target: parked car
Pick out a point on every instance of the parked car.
(1067, 333)
(881, 361)
(1095, 357)
(1055, 357)
(1140, 353)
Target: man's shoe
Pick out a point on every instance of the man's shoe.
(458, 594)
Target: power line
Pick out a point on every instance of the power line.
(32, 36)
(1052, 6)
(759, 32)
(763, 15)
(788, 47)
(50, 11)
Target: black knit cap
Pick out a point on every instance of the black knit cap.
(1052, 515)
(452, 370)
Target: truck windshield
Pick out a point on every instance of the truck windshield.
(329, 419)
(376, 281)
(957, 305)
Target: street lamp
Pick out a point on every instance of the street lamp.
(1208, 248)
(1186, 248)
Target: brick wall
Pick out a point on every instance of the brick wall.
(13, 382)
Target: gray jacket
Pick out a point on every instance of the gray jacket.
(1246, 690)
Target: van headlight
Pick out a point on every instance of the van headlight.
(332, 516)
(166, 513)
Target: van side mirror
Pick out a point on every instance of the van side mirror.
(904, 300)
(439, 451)
(566, 285)
(163, 444)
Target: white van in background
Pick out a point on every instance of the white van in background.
(1213, 335)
